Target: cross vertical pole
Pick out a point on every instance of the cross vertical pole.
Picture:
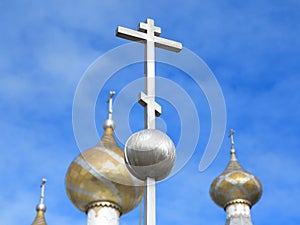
(149, 73)
(149, 84)
(150, 201)
(149, 35)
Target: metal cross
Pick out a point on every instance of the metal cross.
(109, 101)
(231, 133)
(42, 190)
(149, 35)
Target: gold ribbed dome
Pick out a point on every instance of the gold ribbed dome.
(100, 174)
(235, 185)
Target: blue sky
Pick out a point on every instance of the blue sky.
(252, 48)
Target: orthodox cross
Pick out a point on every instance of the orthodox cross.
(231, 133)
(109, 101)
(149, 35)
(42, 191)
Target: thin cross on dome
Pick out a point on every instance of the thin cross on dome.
(231, 133)
(109, 101)
(42, 191)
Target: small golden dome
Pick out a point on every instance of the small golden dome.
(235, 185)
(100, 175)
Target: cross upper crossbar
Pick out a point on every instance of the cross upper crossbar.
(148, 32)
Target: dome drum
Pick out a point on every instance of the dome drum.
(104, 204)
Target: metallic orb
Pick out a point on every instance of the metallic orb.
(109, 123)
(150, 153)
(235, 184)
(41, 207)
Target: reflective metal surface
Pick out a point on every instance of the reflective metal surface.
(235, 184)
(99, 174)
(39, 219)
(150, 153)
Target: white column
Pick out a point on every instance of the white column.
(238, 210)
(103, 215)
(238, 213)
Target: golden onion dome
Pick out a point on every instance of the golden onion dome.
(235, 184)
(99, 174)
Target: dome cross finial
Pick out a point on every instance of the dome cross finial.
(42, 191)
(231, 133)
(41, 206)
(109, 101)
(109, 123)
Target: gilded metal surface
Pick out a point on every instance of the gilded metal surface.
(234, 184)
(39, 219)
(99, 174)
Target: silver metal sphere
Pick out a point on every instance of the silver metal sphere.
(150, 153)
(109, 123)
(41, 207)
